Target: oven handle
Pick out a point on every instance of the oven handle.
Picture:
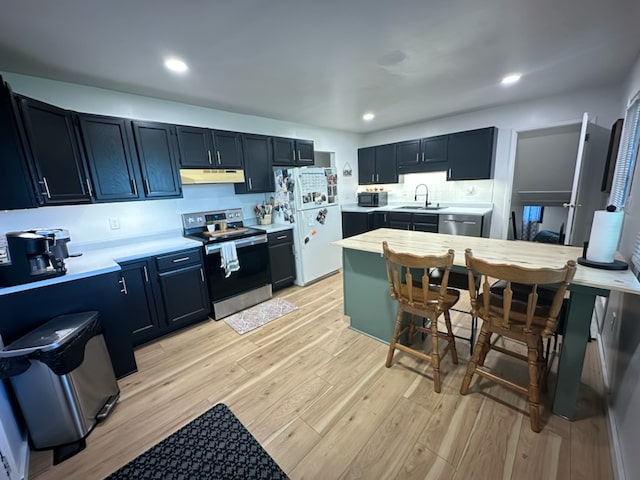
(243, 242)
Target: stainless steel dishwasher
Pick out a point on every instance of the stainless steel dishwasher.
(469, 225)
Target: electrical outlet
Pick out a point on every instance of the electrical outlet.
(114, 223)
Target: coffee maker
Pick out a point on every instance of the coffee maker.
(30, 259)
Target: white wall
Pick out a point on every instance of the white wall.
(90, 223)
(603, 103)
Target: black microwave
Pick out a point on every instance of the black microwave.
(372, 199)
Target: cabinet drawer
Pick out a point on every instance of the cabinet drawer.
(399, 217)
(277, 238)
(178, 259)
(425, 218)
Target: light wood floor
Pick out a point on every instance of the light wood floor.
(317, 396)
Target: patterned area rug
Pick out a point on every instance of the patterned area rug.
(254, 317)
(213, 446)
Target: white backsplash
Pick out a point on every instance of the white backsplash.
(91, 223)
(460, 191)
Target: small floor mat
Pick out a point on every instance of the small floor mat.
(213, 446)
(254, 317)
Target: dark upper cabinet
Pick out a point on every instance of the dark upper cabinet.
(471, 154)
(108, 150)
(139, 311)
(195, 145)
(258, 163)
(377, 165)
(156, 147)
(292, 152)
(228, 149)
(16, 186)
(60, 172)
(422, 155)
(204, 148)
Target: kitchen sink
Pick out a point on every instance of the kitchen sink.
(412, 207)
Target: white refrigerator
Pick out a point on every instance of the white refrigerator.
(307, 198)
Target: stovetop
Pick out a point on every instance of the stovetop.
(232, 233)
(228, 226)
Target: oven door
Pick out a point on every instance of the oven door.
(254, 272)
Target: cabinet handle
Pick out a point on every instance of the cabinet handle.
(250, 184)
(281, 237)
(146, 182)
(209, 155)
(181, 259)
(372, 178)
(46, 187)
(202, 275)
(146, 273)
(449, 175)
(423, 156)
(299, 157)
(218, 156)
(89, 186)
(135, 187)
(124, 286)
(377, 177)
(294, 155)
(417, 157)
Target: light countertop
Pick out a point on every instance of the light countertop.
(275, 227)
(99, 258)
(447, 208)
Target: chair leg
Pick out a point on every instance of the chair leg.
(474, 328)
(475, 358)
(435, 356)
(450, 338)
(394, 338)
(412, 329)
(484, 349)
(542, 365)
(533, 394)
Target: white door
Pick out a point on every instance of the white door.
(316, 230)
(586, 196)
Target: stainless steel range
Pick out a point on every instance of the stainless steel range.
(251, 284)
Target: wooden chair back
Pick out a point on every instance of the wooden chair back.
(401, 268)
(505, 309)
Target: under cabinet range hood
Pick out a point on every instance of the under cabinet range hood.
(199, 176)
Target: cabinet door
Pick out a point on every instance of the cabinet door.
(354, 223)
(107, 149)
(155, 143)
(380, 220)
(434, 149)
(366, 165)
(471, 154)
(400, 220)
(140, 311)
(195, 147)
(408, 155)
(284, 151)
(60, 172)
(16, 188)
(228, 149)
(281, 259)
(386, 167)
(184, 295)
(304, 152)
(258, 171)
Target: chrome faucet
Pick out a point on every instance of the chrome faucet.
(426, 194)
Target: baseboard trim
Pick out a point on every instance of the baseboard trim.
(612, 427)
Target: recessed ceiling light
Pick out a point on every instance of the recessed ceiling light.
(511, 79)
(367, 117)
(176, 65)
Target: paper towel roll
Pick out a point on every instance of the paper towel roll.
(605, 233)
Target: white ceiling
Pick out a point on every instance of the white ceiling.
(326, 62)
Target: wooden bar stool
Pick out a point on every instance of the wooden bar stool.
(524, 321)
(419, 298)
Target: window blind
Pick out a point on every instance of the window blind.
(626, 156)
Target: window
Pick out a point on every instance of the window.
(626, 155)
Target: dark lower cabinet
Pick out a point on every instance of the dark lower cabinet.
(420, 222)
(26, 310)
(164, 293)
(355, 223)
(281, 259)
(140, 309)
(59, 170)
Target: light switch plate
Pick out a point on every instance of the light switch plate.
(114, 223)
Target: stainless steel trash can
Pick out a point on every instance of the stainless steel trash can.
(67, 383)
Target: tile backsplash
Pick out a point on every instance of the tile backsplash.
(439, 189)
